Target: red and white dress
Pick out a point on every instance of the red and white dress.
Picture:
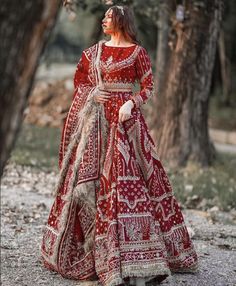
(114, 215)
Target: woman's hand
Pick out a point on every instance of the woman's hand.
(102, 96)
(125, 110)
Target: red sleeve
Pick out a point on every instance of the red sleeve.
(81, 74)
(144, 74)
(83, 85)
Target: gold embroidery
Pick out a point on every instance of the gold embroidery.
(118, 86)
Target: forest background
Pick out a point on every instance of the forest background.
(192, 45)
(192, 116)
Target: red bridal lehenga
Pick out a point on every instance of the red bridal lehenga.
(114, 214)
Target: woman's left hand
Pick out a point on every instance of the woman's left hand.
(125, 110)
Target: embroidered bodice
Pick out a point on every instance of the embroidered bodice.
(120, 67)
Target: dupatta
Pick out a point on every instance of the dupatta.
(81, 158)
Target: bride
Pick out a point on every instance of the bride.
(114, 219)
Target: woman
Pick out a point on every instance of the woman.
(115, 217)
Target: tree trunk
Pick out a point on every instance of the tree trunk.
(165, 10)
(182, 111)
(24, 28)
(225, 70)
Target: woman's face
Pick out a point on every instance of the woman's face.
(107, 24)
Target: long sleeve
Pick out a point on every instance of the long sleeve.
(81, 79)
(82, 88)
(144, 74)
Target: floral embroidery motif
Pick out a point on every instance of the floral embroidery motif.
(109, 60)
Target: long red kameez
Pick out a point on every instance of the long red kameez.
(115, 215)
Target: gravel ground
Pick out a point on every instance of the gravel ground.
(25, 202)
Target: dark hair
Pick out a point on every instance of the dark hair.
(123, 20)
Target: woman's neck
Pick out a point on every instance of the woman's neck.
(118, 40)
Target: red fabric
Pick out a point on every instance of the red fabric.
(139, 228)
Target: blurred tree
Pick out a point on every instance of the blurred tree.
(227, 55)
(165, 10)
(25, 27)
(96, 8)
(182, 124)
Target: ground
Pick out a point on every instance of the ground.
(26, 199)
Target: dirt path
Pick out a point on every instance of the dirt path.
(26, 199)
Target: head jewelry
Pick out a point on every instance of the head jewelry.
(121, 9)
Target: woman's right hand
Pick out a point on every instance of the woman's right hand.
(102, 96)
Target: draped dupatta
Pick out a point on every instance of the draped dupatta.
(69, 234)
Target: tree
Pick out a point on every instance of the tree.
(25, 27)
(182, 106)
(166, 9)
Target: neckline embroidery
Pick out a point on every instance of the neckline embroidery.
(109, 65)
